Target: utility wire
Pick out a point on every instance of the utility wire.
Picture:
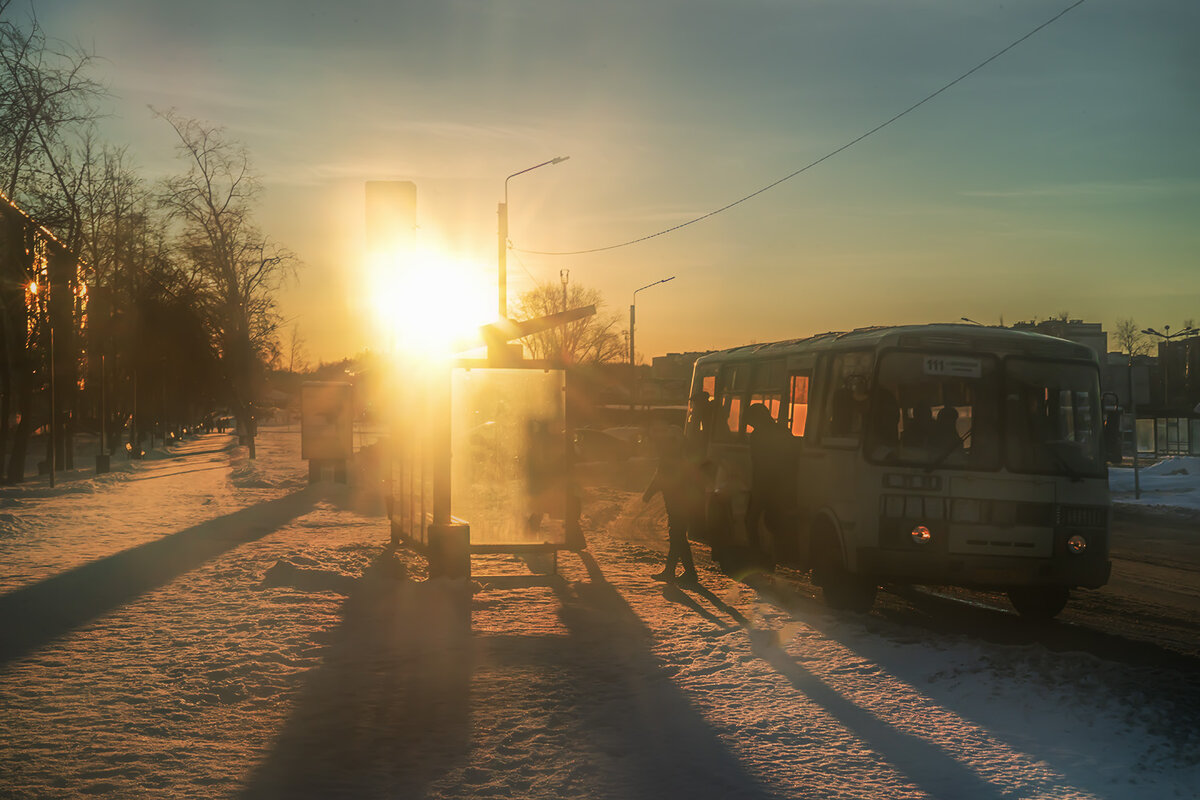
(823, 158)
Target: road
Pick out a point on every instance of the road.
(1146, 615)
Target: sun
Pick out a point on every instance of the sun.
(428, 303)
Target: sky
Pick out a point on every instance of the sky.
(1062, 176)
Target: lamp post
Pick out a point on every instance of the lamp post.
(632, 350)
(1165, 362)
(1166, 357)
(502, 243)
(1137, 486)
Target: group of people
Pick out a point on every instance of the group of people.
(680, 478)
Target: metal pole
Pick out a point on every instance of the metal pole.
(502, 254)
(1166, 367)
(564, 275)
(103, 409)
(53, 414)
(632, 363)
(1137, 489)
(632, 350)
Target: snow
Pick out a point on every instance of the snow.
(1171, 483)
(199, 625)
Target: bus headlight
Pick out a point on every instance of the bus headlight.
(1077, 544)
(921, 535)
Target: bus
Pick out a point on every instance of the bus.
(942, 454)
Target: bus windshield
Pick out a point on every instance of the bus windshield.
(936, 410)
(1053, 418)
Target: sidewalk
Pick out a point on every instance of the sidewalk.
(251, 636)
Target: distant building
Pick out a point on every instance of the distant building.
(1139, 375)
(1175, 390)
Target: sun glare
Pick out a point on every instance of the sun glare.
(428, 303)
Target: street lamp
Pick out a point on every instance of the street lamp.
(1166, 357)
(502, 250)
(632, 351)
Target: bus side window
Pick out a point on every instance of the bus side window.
(732, 386)
(767, 386)
(702, 411)
(798, 413)
(733, 418)
(846, 402)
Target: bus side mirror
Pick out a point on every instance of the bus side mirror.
(1112, 437)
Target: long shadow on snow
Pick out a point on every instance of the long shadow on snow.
(928, 766)
(34, 615)
(388, 709)
(1179, 698)
(669, 749)
(156, 475)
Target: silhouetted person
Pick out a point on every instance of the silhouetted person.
(919, 427)
(945, 431)
(885, 419)
(772, 478)
(682, 488)
(542, 467)
(1112, 436)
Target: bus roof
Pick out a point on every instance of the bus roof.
(935, 336)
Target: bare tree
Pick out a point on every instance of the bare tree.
(593, 340)
(47, 103)
(237, 268)
(297, 353)
(1129, 338)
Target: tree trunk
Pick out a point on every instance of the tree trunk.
(16, 462)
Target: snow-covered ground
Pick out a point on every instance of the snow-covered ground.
(1172, 483)
(198, 625)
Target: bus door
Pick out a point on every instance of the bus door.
(703, 410)
(795, 419)
(837, 479)
(728, 446)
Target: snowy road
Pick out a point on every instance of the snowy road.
(202, 626)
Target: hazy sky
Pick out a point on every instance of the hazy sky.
(1064, 176)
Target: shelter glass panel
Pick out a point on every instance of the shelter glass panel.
(412, 469)
(509, 448)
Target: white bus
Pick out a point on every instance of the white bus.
(956, 455)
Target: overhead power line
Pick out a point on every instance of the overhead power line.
(823, 158)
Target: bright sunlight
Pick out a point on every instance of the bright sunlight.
(428, 302)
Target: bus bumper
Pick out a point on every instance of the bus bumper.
(992, 572)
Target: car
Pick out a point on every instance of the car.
(613, 444)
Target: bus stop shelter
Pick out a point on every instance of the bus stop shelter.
(481, 460)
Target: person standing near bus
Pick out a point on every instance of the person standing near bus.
(682, 488)
(772, 479)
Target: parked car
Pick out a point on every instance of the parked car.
(612, 444)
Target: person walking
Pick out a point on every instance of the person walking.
(679, 481)
(772, 481)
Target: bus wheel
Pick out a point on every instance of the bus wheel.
(1039, 603)
(841, 588)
